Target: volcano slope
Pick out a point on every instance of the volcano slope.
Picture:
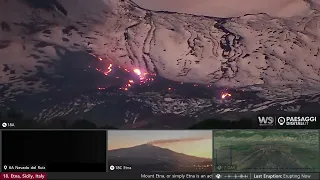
(276, 57)
(267, 151)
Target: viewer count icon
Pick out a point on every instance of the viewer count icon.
(4, 125)
(111, 167)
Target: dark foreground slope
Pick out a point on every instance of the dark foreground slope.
(24, 122)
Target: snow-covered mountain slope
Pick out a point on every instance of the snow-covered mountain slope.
(245, 51)
(229, 8)
(276, 57)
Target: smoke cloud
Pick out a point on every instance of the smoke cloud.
(169, 141)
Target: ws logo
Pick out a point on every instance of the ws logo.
(266, 120)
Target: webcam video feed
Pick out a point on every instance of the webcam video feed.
(160, 150)
(266, 151)
(53, 151)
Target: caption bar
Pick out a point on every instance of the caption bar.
(176, 176)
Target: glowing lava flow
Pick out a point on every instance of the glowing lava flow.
(141, 78)
(225, 95)
(137, 71)
(109, 70)
(144, 77)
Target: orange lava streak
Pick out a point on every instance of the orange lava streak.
(109, 69)
(126, 89)
(225, 95)
(137, 71)
(143, 76)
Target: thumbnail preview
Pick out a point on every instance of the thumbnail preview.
(160, 150)
(266, 151)
(57, 151)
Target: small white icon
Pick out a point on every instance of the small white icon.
(5, 167)
(281, 120)
(219, 167)
(218, 176)
(4, 124)
(111, 167)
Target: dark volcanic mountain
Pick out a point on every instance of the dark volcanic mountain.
(114, 63)
(147, 157)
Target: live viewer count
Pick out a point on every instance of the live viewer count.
(5, 125)
(288, 120)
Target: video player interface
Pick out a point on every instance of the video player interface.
(160, 154)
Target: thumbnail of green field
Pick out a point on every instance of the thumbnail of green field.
(266, 150)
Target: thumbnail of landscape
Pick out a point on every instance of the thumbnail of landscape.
(266, 151)
(161, 150)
